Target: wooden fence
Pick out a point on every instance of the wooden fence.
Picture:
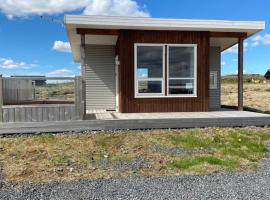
(17, 90)
(41, 112)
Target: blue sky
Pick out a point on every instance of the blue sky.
(30, 45)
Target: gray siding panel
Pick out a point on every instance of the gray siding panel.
(38, 113)
(99, 76)
(215, 66)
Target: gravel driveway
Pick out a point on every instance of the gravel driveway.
(214, 186)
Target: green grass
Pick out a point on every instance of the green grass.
(228, 148)
(64, 157)
(189, 161)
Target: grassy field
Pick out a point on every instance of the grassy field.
(256, 95)
(67, 157)
(60, 91)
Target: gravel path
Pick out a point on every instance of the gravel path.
(214, 186)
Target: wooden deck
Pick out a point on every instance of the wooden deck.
(118, 121)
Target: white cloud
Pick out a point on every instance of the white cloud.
(115, 8)
(7, 63)
(23, 8)
(234, 49)
(61, 46)
(223, 63)
(61, 73)
(235, 60)
(260, 40)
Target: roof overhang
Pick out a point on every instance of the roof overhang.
(74, 22)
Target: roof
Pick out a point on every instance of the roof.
(267, 73)
(72, 22)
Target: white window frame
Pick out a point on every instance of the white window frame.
(164, 84)
(136, 79)
(215, 84)
(182, 78)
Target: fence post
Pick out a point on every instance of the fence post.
(79, 100)
(1, 98)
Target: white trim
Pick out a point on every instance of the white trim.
(136, 80)
(140, 23)
(195, 47)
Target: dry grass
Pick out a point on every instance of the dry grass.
(255, 95)
(47, 158)
(61, 91)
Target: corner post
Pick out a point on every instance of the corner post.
(1, 98)
(79, 102)
(240, 73)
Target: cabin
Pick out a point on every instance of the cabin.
(267, 75)
(146, 65)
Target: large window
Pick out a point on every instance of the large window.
(149, 70)
(181, 70)
(158, 75)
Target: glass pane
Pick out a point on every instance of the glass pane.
(145, 87)
(149, 62)
(181, 62)
(181, 86)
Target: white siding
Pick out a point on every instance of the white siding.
(215, 66)
(99, 76)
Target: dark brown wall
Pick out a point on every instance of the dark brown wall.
(125, 51)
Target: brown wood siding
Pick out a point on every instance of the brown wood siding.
(125, 49)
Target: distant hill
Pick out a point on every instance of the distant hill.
(248, 78)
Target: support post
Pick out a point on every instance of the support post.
(240, 73)
(79, 100)
(1, 98)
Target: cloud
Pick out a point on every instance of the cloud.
(61, 73)
(115, 8)
(7, 63)
(24, 8)
(260, 40)
(223, 63)
(61, 46)
(234, 49)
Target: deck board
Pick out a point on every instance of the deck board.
(117, 121)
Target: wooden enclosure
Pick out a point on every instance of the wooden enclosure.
(37, 112)
(17, 90)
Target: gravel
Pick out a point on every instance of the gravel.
(242, 185)
(177, 150)
(121, 165)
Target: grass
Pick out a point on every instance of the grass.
(61, 91)
(256, 95)
(67, 157)
(188, 162)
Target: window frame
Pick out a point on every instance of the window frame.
(165, 72)
(136, 79)
(183, 78)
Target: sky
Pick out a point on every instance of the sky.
(34, 45)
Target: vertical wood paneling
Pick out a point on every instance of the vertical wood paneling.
(39, 113)
(125, 50)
